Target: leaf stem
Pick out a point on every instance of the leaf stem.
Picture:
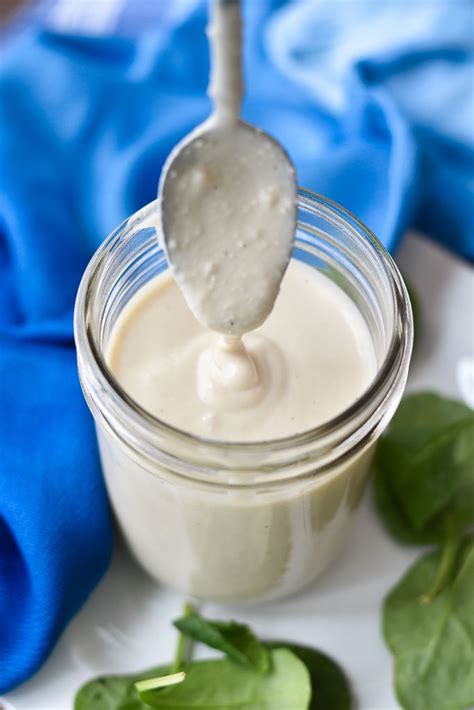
(449, 551)
(143, 686)
(184, 645)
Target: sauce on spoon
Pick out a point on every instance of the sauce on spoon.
(228, 213)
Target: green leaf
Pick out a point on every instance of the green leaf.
(449, 552)
(224, 685)
(433, 644)
(424, 468)
(330, 687)
(438, 474)
(422, 415)
(235, 640)
(394, 517)
(115, 692)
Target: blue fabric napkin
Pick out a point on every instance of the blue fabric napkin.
(373, 103)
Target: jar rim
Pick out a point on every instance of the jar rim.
(393, 367)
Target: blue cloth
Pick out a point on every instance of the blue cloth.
(373, 103)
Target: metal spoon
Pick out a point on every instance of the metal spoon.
(230, 178)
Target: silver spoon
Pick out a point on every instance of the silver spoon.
(228, 200)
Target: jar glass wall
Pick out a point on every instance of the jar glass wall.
(241, 521)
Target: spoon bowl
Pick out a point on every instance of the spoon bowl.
(228, 202)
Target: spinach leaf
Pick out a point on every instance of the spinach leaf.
(330, 687)
(223, 684)
(235, 640)
(115, 692)
(433, 644)
(394, 516)
(439, 475)
(424, 468)
(422, 415)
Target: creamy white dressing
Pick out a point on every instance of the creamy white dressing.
(309, 360)
(228, 199)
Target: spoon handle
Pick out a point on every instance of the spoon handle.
(226, 84)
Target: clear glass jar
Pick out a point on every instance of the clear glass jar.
(241, 521)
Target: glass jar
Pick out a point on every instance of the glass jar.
(241, 521)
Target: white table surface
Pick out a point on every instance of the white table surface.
(125, 625)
